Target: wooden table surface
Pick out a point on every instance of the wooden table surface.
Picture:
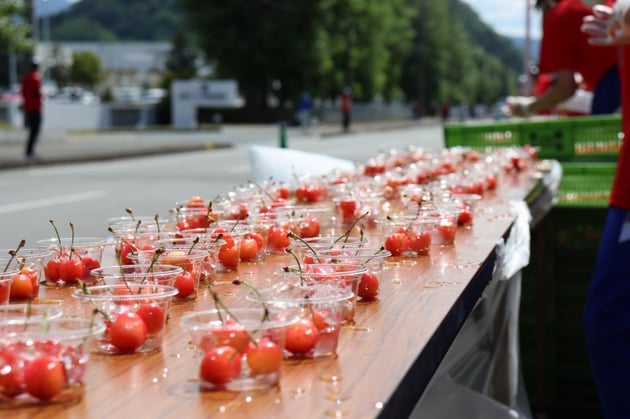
(383, 364)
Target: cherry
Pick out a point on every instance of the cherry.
(51, 269)
(229, 256)
(185, 284)
(248, 249)
(446, 230)
(419, 242)
(71, 270)
(264, 357)
(309, 227)
(128, 332)
(12, 373)
(368, 286)
(231, 334)
(301, 336)
(465, 217)
(348, 209)
(278, 239)
(45, 377)
(220, 365)
(195, 202)
(153, 316)
(397, 243)
(25, 284)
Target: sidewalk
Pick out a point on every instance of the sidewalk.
(77, 147)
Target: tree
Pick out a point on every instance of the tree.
(182, 58)
(86, 69)
(14, 27)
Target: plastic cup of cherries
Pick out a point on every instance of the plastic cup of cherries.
(239, 349)
(44, 362)
(321, 308)
(135, 314)
(30, 263)
(371, 258)
(71, 259)
(340, 275)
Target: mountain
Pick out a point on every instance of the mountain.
(117, 20)
(52, 7)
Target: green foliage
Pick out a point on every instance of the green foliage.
(86, 69)
(430, 51)
(14, 28)
(182, 58)
(117, 20)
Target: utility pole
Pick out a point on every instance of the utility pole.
(527, 88)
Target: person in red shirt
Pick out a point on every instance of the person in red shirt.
(564, 51)
(346, 107)
(32, 105)
(606, 317)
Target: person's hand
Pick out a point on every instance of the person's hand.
(608, 26)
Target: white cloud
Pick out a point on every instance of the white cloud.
(508, 17)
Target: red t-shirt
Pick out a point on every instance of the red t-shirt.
(620, 196)
(31, 92)
(564, 46)
(346, 103)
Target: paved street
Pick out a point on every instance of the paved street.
(57, 147)
(89, 193)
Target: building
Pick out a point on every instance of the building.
(128, 64)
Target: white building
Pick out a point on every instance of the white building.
(128, 64)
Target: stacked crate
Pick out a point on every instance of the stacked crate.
(564, 247)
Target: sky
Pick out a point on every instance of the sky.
(507, 17)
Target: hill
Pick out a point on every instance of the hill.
(117, 20)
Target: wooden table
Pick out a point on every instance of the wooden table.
(383, 365)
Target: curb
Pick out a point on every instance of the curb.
(108, 156)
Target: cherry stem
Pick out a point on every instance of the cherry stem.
(253, 288)
(130, 212)
(192, 246)
(71, 240)
(154, 260)
(57, 233)
(97, 309)
(373, 256)
(157, 223)
(346, 234)
(294, 236)
(263, 190)
(13, 254)
(297, 260)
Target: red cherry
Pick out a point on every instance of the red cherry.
(229, 256)
(396, 243)
(368, 286)
(301, 336)
(185, 284)
(45, 377)
(248, 249)
(128, 332)
(264, 357)
(153, 316)
(220, 365)
(309, 227)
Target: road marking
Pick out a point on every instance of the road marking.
(49, 202)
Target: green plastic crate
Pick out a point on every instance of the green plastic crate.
(585, 184)
(567, 139)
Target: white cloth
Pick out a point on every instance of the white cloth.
(284, 165)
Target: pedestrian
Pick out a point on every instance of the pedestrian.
(32, 106)
(346, 108)
(565, 51)
(304, 108)
(606, 317)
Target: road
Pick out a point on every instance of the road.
(90, 193)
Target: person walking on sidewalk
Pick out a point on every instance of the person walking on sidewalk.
(32, 105)
(346, 107)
